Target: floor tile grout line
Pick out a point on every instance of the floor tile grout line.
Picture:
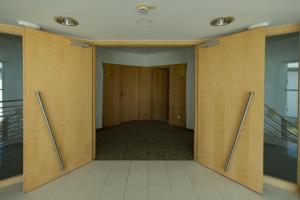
(79, 186)
(125, 188)
(170, 184)
(216, 186)
(106, 177)
(189, 177)
(148, 179)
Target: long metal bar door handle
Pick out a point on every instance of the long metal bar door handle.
(238, 133)
(57, 152)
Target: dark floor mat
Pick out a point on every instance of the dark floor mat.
(278, 164)
(144, 140)
(11, 160)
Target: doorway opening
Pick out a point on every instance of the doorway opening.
(281, 107)
(144, 103)
(11, 106)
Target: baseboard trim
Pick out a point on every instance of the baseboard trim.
(281, 184)
(11, 181)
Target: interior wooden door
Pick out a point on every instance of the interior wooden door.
(160, 94)
(177, 99)
(145, 79)
(129, 93)
(111, 95)
(227, 72)
(63, 74)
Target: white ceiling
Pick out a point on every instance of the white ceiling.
(172, 19)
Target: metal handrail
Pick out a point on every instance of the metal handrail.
(238, 133)
(13, 100)
(281, 117)
(276, 128)
(40, 100)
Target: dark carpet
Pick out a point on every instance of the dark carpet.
(11, 160)
(279, 164)
(144, 140)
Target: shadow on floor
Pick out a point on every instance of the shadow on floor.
(144, 140)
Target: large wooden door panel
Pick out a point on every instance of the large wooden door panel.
(111, 95)
(145, 80)
(226, 74)
(130, 93)
(63, 75)
(177, 102)
(160, 94)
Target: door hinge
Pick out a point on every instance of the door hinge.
(210, 43)
(80, 44)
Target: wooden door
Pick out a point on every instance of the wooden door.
(63, 74)
(145, 79)
(130, 93)
(160, 94)
(111, 95)
(177, 99)
(226, 74)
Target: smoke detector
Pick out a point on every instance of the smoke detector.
(142, 8)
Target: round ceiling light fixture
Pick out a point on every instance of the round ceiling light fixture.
(142, 8)
(66, 21)
(222, 21)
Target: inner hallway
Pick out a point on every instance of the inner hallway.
(144, 140)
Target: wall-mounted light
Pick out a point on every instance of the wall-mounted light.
(222, 21)
(66, 21)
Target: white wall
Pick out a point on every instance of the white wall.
(279, 51)
(146, 58)
(11, 56)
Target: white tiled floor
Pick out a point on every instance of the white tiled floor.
(144, 180)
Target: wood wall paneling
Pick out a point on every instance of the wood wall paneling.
(145, 80)
(226, 73)
(129, 78)
(196, 104)
(280, 30)
(62, 73)
(9, 29)
(11, 181)
(94, 100)
(160, 94)
(177, 102)
(111, 95)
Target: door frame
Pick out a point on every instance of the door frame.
(276, 31)
(270, 31)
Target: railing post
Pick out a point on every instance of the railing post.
(283, 129)
(5, 131)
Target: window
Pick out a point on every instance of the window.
(292, 90)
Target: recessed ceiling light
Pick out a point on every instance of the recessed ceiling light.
(66, 21)
(142, 8)
(222, 21)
